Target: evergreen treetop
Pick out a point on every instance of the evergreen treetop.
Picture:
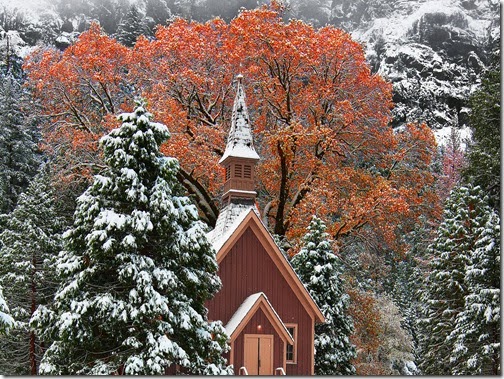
(132, 25)
(320, 271)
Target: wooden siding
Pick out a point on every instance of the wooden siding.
(248, 269)
(266, 328)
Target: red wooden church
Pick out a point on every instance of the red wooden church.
(267, 312)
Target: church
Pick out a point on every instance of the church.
(266, 310)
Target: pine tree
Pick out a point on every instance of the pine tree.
(18, 144)
(320, 270)
(131, 27)
(136, 271)
(484, 151)
(30, 240)
(477, 329)
(444, 290)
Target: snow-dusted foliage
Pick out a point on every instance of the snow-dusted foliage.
(477, 329)
(396, 348)
(136, 270)
(449, 288)
(484, 155)
(132, 25)
(320, 271)
(6, 320)
(18, 144)
(31, 238)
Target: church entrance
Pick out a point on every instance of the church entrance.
(259, 354)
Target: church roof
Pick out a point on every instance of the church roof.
(247, 309)
(229, 218)
(240, 143)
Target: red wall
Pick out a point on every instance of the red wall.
(248, 269)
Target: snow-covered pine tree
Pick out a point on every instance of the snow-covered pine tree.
(477, 328)
(136, 271)
(320, 271)
(18, 144)
(444, 289)
(132, 25)
(484, 152)
(6, 320)
(31, 238)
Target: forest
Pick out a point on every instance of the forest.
(113, 118)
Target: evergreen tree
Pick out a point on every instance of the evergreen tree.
(403, 293)
(484, 151)
(405, 278)
(132, 25)
(18, 144)
(136, 271)
(444, 290)
(320, 270)
(30, 240)
(477, 329)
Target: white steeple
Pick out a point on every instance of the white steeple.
(240, 143)
(240, 156)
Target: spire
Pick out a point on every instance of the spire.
(240, 156)
(240, 143)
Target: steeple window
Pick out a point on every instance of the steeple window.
(247, 171)
(228, 172)
(238, 171)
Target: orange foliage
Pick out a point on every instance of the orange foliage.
(366, 337)
(320, 118)
(80, 91)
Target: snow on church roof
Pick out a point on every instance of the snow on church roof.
(241, 312)
(240, 143)
(229, 218)
(246, 307)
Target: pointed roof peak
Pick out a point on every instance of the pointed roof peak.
(240, 143)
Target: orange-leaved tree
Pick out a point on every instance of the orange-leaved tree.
(320, 118)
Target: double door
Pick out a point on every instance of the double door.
(259, 354)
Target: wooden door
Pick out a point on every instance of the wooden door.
(258, 357)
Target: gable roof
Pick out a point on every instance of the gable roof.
(248, 308)
(229, 218)
(250, 218)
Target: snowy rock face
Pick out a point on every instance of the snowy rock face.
(432, 51)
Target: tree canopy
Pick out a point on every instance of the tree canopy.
(321, 119)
